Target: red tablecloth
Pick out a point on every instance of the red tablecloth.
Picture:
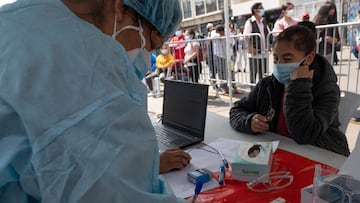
(300, 167)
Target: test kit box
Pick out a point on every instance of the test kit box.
(252, 160)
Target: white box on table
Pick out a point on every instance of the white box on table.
(252, 160)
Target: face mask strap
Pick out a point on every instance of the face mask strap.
(115, 24)
(141, 33)
(301, 63)
(131, 27)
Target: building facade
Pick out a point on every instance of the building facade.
(197, 13)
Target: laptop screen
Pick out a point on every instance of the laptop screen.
(185, 106)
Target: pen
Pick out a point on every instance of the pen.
(225, 162)
(198, 187)
(221, 175)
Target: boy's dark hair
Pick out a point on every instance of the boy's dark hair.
(300, 36)
(309, 25)
(255, 6)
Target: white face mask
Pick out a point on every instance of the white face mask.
(178, 33)
(261, 12)
(290, 12)
(139, 57)
(164, 51)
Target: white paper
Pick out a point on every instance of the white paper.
(201, 158)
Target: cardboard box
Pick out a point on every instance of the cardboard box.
(252, 160)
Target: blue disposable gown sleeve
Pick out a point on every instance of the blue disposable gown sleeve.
(82, 163)
(73, 119)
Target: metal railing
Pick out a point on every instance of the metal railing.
(247, 64)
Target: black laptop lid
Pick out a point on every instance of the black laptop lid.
(184, 106)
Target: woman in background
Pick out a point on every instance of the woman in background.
(192, 61)
(328, 38)
(286, 19)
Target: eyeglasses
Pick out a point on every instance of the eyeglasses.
(271, 113)
(269, 182)
(337, 188)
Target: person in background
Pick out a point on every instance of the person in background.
(356, 38)
(241, 51)
(286, 19)
(256, 24)
(164, 62)
(305, 16)
(177, 45)
(299, 100)
(219, 50)
(73, 108)
(211, 30)
(210, 52)
(151, 74)
(192, 62)
(329, 37)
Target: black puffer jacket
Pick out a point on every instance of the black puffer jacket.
(310, 108)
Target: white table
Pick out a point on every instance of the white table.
(219, 127)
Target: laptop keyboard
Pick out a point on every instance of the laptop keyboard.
(171, 138)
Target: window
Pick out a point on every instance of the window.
(199, 7)
(221, 4)
(210, 6)
(186, 8)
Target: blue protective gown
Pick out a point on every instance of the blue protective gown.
(73, 117)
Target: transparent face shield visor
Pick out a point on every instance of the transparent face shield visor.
(337, 188)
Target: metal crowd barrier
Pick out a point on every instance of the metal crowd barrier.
(223, 70)
(220, 68)
(341, 55)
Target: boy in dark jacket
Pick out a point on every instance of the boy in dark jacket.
(300, 100)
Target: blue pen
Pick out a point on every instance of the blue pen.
(221, 175)
(225, 162)
(198, 188)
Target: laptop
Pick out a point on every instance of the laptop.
(183, 116)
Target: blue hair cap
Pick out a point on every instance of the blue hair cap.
(164, 15)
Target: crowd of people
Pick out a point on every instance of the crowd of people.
(247, 53)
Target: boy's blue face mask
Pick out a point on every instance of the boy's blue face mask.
(282, 71)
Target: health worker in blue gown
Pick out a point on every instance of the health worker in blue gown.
(73, 114)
